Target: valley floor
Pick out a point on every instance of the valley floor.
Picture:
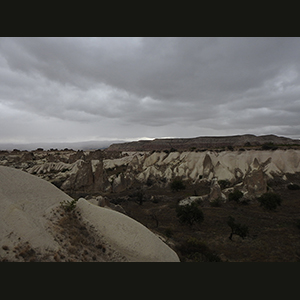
(273, 235)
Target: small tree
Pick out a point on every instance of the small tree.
(293, 186)
(224, 183)
(68, 206)
(270, 200)
(237, 228)
(236, 195)
(138, 196)
(198, 251)
(177, 185)
(189, 214)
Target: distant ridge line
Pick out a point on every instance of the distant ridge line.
(202, 142)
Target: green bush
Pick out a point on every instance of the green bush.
(224, 183)
(177, 184)
(68, 205)
(189, 214)
(168, 232)
(270, 200)
(216, 203)
(269, 146)
(298, 223)
(198, 251)
(237, 228)
(236, 195)
(293, 186)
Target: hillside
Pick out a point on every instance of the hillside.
(138, 184)
(35, 227)
(182, 144)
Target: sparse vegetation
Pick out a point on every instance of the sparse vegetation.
(169, 233)
(177, 185)
(293, 186)
(68, 205)
(298, 223)
(224, 184)
(138, 196)
(198, 251)
(269, 146)
(270, 201)
(237, 228)
(216, 203)
(236, 195)
(189, 214)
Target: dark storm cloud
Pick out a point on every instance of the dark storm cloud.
(135, 87)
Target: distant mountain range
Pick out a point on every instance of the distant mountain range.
(89, 145)
(204, 142)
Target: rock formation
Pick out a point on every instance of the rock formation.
(98, 173)
(215, 191)
(31, 220)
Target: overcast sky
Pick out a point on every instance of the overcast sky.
(80, 89)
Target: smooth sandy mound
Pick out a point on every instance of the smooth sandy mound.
(129, 237)
(27, 204)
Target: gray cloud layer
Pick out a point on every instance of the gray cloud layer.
(72, 89)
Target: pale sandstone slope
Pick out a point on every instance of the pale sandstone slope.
(25, 204)
(131, 238)
(26, 216)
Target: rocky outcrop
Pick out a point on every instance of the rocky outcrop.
(255, 181)
(104, 202)
(215, 191)
(252, 168)
(88, 178)
(95, 172)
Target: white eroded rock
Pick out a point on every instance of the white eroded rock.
(127, 236)
(25, 203)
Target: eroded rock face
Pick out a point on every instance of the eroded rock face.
(215, 191)
(255, 183)
(89, 178)
(97, 172)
